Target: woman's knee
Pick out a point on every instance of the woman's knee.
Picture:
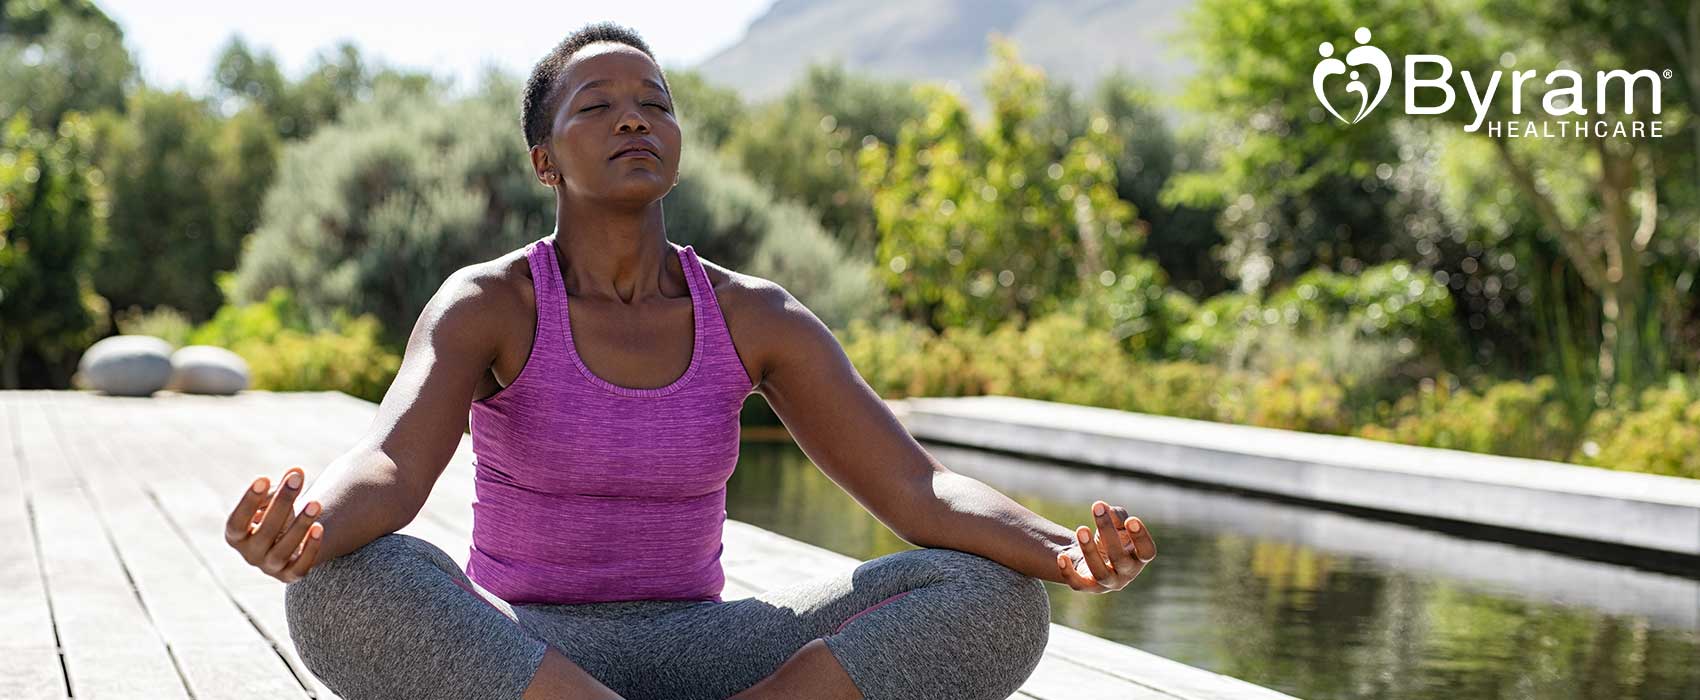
(1018, 601)
(341, 599)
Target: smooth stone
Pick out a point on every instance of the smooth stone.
(208, 369)
(127, 365)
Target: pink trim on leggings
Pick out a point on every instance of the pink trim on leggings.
(483, 600)
(868, 610)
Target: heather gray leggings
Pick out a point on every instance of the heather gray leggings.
(397, 618)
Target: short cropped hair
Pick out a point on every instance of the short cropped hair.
(537, 102)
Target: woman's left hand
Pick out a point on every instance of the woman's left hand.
(1100, 562)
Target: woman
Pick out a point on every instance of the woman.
(600, 472)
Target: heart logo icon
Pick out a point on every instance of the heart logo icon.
(1363, 55)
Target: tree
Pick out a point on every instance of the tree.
(707, 112)
(1291, 175)
(186, 185)
(339, 77)
(51, 219)
(373, 211)
(803, 146)
(981, 224)
(60, 56)
(1179, 237)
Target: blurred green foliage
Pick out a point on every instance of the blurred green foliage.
(60, 56)
(285, 353)
(52, 220)
(1657, 434)
(803, 146)
(983, 223)
(186, 187)
(1258, 263)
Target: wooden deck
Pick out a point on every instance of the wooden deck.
(115, 581)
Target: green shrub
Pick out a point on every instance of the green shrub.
(1517, 419)
(1060, 357)
(283, 354)
(1296, 397)
(1136, 306)
(900, 359)
(1057, 357)
(1181, 389)
(1660, 434)
(162, 321)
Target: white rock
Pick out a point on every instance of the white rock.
(127, 365)
(208, 369)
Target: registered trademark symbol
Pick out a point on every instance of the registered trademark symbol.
(1667, 74)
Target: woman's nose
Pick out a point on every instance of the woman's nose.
(633, 122)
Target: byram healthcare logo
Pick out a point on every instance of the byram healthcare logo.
(1564, 102)
(1364, 55)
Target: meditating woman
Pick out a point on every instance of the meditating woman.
(604, 368)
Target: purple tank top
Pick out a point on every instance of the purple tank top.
(587, 491)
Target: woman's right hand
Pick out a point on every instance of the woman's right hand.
(265, 529)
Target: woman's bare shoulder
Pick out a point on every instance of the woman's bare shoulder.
(504, 281)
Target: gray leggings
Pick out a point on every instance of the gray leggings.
(397, 618)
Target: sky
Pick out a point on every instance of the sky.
(176, 41)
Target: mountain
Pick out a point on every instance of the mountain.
(945, 40)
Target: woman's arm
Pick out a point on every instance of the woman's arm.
(381, 483)
(844, 427)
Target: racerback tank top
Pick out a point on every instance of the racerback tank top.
(587, 491)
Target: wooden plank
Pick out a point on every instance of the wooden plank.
(1059, 678)
(221, 653)
(177, 483)
(248, 435)
(30, 666)
(111, 648)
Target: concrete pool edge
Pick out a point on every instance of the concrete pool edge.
(1643, 511)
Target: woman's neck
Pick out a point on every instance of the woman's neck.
(613, 255)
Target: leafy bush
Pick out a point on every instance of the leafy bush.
(1517, 419)
(375, 210)
(273, 336)
(162, 322)
(1135, 305)
(900, 359)
(1180, 389)
(982, 224)
(1296, 397)
(1057, 357)
(1660, 434)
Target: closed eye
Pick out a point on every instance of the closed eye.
(587, 109)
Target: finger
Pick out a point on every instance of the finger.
(1144, 547)
(1110, 539)
(278, 514)
(1072, 576)
(308, 556)
(236, 528)
(1094, 556)
(284, 549)
(1121, 524)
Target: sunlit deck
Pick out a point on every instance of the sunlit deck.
(115, 581)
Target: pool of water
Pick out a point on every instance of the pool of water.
(1313, 603)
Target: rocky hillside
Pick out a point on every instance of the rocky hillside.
(945, 40)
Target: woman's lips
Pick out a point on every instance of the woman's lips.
(639, 153)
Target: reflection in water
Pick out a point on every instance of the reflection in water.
(1313, 603)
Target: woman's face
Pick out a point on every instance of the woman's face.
(611, 98)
